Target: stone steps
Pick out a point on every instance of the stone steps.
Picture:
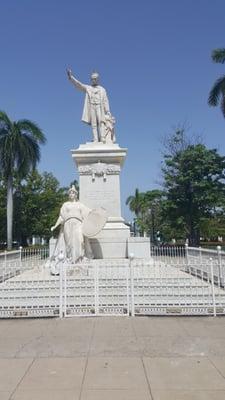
(37, 293)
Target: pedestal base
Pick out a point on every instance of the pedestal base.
(99, 166)
(139, 247)
(115, 246)
(111, 242)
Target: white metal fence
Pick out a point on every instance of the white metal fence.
(195, 260)
(199, 262)
(98, 287)
(26, 289)
(165, 290)
(14, 262)
(180, 281)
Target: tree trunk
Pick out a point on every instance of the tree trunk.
(23, 240)
(194, 236)
(9, 212)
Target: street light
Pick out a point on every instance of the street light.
(152, 215)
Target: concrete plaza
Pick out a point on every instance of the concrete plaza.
(121, 358)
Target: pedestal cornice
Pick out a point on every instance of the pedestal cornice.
(94, 152)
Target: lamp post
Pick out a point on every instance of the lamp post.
(134, 228)
(152, 220)
(192, 233)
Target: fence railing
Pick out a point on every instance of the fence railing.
(35, 253)
(27, 289)
(12, 258)
(9, 255)
(14, 262)
(196, 260)
(201, 259)
(95, 288)
(173, 255)
(174, 281)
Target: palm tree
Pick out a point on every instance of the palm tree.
(135, 202)
(136, 205)
(19, 153)
(217, 93)
(153, 206)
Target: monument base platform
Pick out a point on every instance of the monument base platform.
(117, 246)
(111, 242)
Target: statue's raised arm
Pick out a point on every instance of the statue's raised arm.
(96, 111)
(75, 81)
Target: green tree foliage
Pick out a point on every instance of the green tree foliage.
(217, 93)
(147, 207)
(2, 212)
(136, 202)
(193, 200)
(194, 182)
(151, 220)
(19, 154)
(37, 204)
(213, 227)
(136, 205)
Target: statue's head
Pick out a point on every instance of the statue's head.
(94, 78)
(72, 192)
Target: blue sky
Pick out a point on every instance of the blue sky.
(153, 57)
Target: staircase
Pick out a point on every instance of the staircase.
(105, 287)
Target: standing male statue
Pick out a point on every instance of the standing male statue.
(96, 110)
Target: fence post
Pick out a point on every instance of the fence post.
(219, 265)
(61, 272)
(131, 257)
(5, 258)
(213, 287)
(186, 258)
(61, 281)
(128, 288)
(96, 289)
(200, 261)
(20, 249)
(64, 270)
(5, 265)
(200, 255)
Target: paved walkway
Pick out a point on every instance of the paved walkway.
(142, 358)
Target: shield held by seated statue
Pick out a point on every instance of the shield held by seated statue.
(94, 222)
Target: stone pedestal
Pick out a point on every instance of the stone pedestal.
(139, 247)
(99, 167)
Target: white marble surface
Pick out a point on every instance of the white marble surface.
(96, 111)
(99, 166)
(139, 247)
(71, 243)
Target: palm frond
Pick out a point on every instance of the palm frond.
(129, 199)
(218, 55)
(217, 90)
(5, 122)
(27, 155)
(32, 128)
(3, 132)
(6, 156)
(223, 104)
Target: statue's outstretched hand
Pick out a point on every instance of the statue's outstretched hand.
(52, 228)
(69, 73)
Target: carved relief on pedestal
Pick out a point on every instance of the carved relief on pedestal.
(99, 169)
